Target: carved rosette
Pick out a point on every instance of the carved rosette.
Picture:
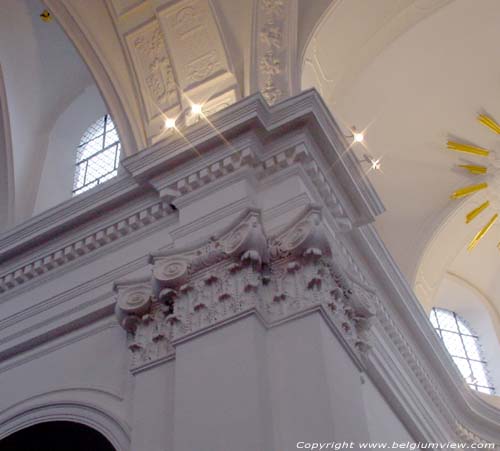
(239, 272)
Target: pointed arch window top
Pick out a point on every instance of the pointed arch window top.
(97, 155)
(464, 348)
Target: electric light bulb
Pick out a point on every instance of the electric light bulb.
(375, 164)
(169, 123)
(196, 109)
(358, 137)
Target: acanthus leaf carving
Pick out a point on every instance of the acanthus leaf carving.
(240, 271)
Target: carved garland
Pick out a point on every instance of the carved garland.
(240, 272)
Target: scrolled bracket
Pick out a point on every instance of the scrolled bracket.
(133, 300)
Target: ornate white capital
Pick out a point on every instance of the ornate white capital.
(238, 272)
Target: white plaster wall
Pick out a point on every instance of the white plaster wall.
(56, 182)
(383, 424)
(87, 367)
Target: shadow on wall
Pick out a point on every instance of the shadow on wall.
(56, 436)
(6, 174)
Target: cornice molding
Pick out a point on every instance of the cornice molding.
(83, 246)
(153, 169)
(305, 110)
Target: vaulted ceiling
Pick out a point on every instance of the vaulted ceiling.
(42, 74)
(425, 85)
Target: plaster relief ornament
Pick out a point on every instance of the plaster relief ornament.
(158, 73)
(239, 272)
(271, 61)
(133, 300)
(488, 173)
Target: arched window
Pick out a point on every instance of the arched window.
(97, 156)
(463, 345)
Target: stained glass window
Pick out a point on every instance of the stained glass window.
(463, 345)
(97, 155)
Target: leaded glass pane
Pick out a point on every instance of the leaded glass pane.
(463, 345)
(90, 148)
(471, 347)
(96, 129)
(447, 321)
(479, 373)
(463, 366)
(463, 328)
(453, 343)
(97, 156)
(111, 137)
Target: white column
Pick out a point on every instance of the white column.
(315, 386)
(221, 390)
(153, 408)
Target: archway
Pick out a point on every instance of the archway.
(56, 436)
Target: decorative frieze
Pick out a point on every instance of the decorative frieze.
(238, 273)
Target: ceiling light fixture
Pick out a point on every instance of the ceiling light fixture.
(357, 137)
(196, 109)
(169, 123)
(375, 163)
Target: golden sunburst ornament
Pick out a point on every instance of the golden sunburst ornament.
(477, 170)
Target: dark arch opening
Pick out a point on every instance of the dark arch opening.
(56, 436)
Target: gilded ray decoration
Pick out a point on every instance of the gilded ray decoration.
(482, 169)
